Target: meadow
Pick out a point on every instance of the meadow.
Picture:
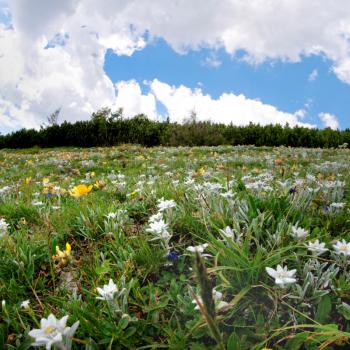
(238, 248)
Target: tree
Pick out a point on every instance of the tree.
(52, 119)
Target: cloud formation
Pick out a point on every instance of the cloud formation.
(180, 101)
(52, 54)
(329, 120)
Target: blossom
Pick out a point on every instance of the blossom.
(3, 227)
(80, 190)
(298, 232)
(217, 296)
(107, 291)
(159, 228)
(197, 249)
(156, 217)
(229, 233)
(165, 204)
(53, 332)
(62, 256)
(281, 275)
(317, 247)
(342, 247)
(25, 304)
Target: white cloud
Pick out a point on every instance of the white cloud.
(180, 101)
(313, 75)
(329, 120)
(131, 99)
(35, 81)
(228, 108)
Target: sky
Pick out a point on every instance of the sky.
(229, 61)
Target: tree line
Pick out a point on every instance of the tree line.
(106, 128)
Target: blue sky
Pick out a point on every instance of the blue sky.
(225, 60)
(282, 84)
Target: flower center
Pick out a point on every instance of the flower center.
(49, 329)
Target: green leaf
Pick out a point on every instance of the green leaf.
(323, 309)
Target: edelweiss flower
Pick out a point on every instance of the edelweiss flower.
(165, 204)
(219, 303)
(281, 275)
(316, 247)
(25, 304)
(229, 233)
(3, 227)
(53, 332)
(342, 247)
(298, 232)
(159, 228)
(198, 248)
(107, 291)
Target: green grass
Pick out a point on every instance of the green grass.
(272, 189)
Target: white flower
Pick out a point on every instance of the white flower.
(281, 275)
(336, 205)
(111, 215)
(107, 291)
(219, 303)
(156, 217)
(25, 304)
(53, 332)
(229, 233)
(159, 228)
(165, 204)
(198, 248)
(317, 247)
(342, 247)
(298, 232)
(3, 227)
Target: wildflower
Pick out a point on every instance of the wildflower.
(3, 227)
(281, 275)
(165, 204)
(342, 247)
(197, 249)
(316, 247)
(37, 203)
(160, 228)
(107, 291)
(336, 205)
(62, 256)
(172, 256)
(53, 332)
(292, 190)
(156, 217)
(80, 190)
(25, 304)
(229, 233)
(217, 296)
(298, 232)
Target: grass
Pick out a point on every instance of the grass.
(215, 295)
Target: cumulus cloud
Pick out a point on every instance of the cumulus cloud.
(52, 53)
(329, 120)
(180, 101)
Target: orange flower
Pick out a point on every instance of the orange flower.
(80, 190)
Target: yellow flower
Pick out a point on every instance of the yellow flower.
(61, 256)
(80, 190)
(266, 349)
(99, 184)
(46, 180)
(28, 180)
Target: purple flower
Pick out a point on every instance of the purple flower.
(292, 190)
(173, 256)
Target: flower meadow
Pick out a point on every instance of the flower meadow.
(175, 248)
